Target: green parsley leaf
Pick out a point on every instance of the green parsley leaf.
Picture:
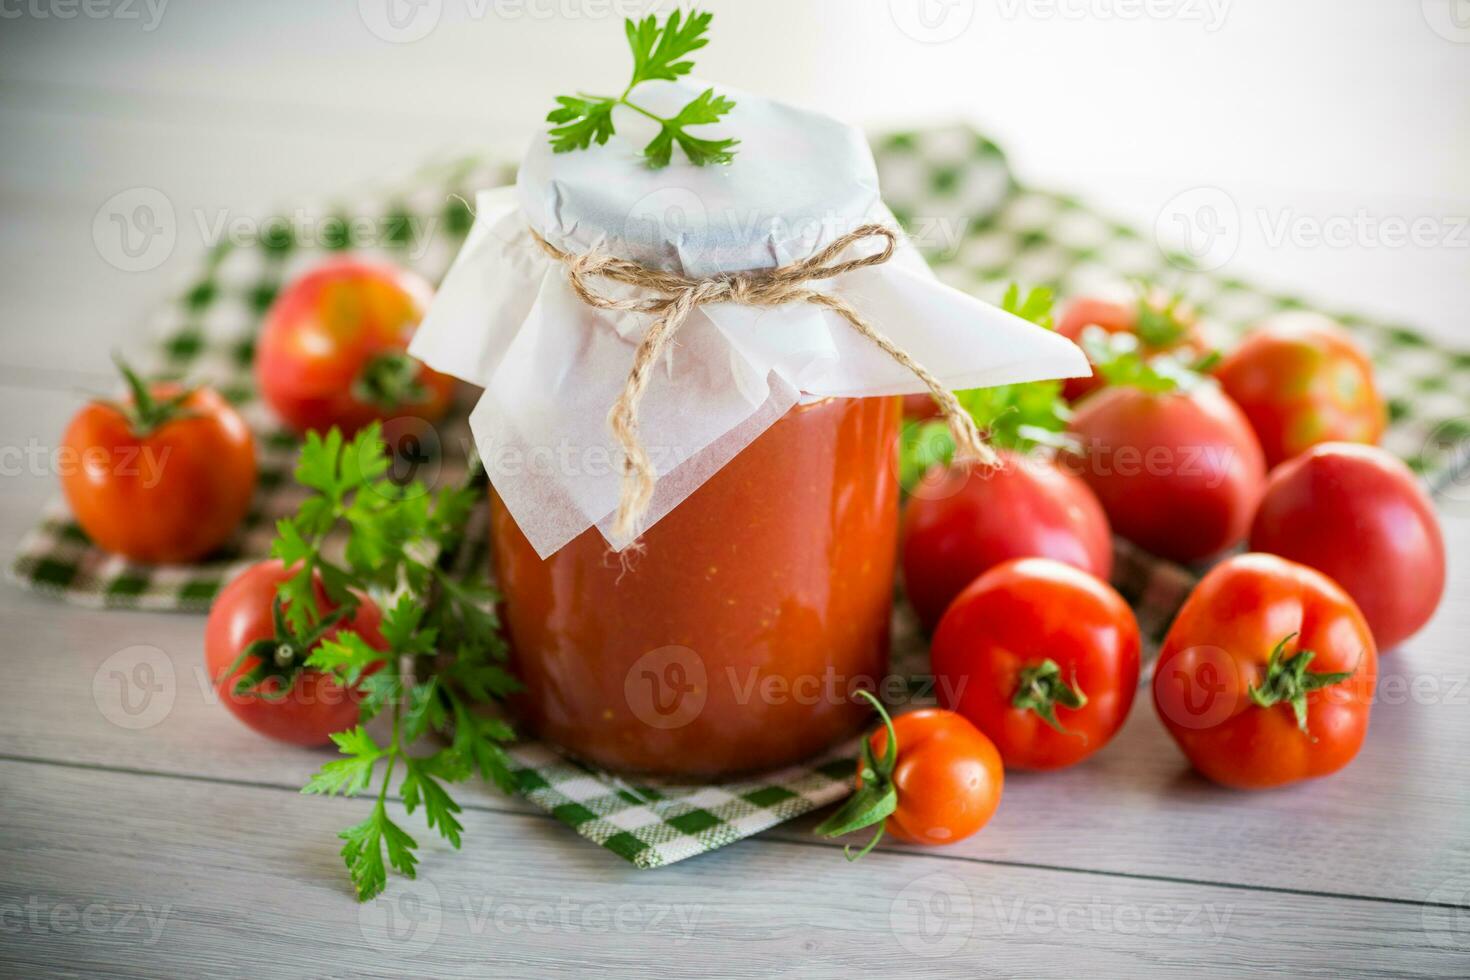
(706, 108)
(347, 655)
(351, 775)
(419, 786)
(363, 852)
(583, 122)
(660, 53)
(657, 50)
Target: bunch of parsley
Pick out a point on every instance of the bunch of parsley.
(445, 651)
(659, 53)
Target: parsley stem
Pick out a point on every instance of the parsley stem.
(623, 101)
(393, 752)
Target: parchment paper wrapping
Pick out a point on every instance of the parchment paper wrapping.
(506, 319)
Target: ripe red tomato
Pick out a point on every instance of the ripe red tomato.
(943, 784)
(1267, 674)
(333, 350)
(316, 705)
(164, 477)
(949, 777)
(1041, 657)
(961, 522)
(1359, 515)
(1179, 472)
(1302, 381)
(1160, 323)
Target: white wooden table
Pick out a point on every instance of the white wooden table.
(183, 849)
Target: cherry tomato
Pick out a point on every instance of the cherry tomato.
(164, 477)
(1179, 472)
(942, 785)
(961, 522)
(333, 350)
(1359, 515)
(1041, 657)
(1160, 322)
(1302, 381)
(316, 705)
(1266, 676)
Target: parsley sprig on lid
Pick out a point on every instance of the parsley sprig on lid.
(659, 53)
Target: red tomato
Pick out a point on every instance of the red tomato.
(961, 522)
(1160, 324)
(316, 705)
(943, 785)
(1266, 676)
(1179, 473)
(155, 484)
(1359, 515)
(1302, 381)
(949, 777)
(1042, 657)
(333, 349)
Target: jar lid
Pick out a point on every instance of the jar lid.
(800, 180)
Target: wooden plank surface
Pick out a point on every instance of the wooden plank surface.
(218, 876)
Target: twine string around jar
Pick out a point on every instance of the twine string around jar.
(670, 298)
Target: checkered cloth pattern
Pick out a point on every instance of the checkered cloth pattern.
(979, 228)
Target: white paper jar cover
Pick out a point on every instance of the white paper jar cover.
(506, 319)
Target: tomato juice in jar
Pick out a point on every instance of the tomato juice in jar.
(735, 638)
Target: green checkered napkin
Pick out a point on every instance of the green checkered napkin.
(980, 230)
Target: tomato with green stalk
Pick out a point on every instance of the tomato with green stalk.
(1266, 676)
(334, 349)
(164, 476)
(257, 659)
(1172, 459)
(1162, 323)
(1043, 658)
(927, 777)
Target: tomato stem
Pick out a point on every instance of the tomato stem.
(876, 798)
(144, 413)
(1041, 688)
(390, 380)
(1288, 680)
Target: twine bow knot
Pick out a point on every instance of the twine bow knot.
(670, 298)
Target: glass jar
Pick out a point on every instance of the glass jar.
(734, 641)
